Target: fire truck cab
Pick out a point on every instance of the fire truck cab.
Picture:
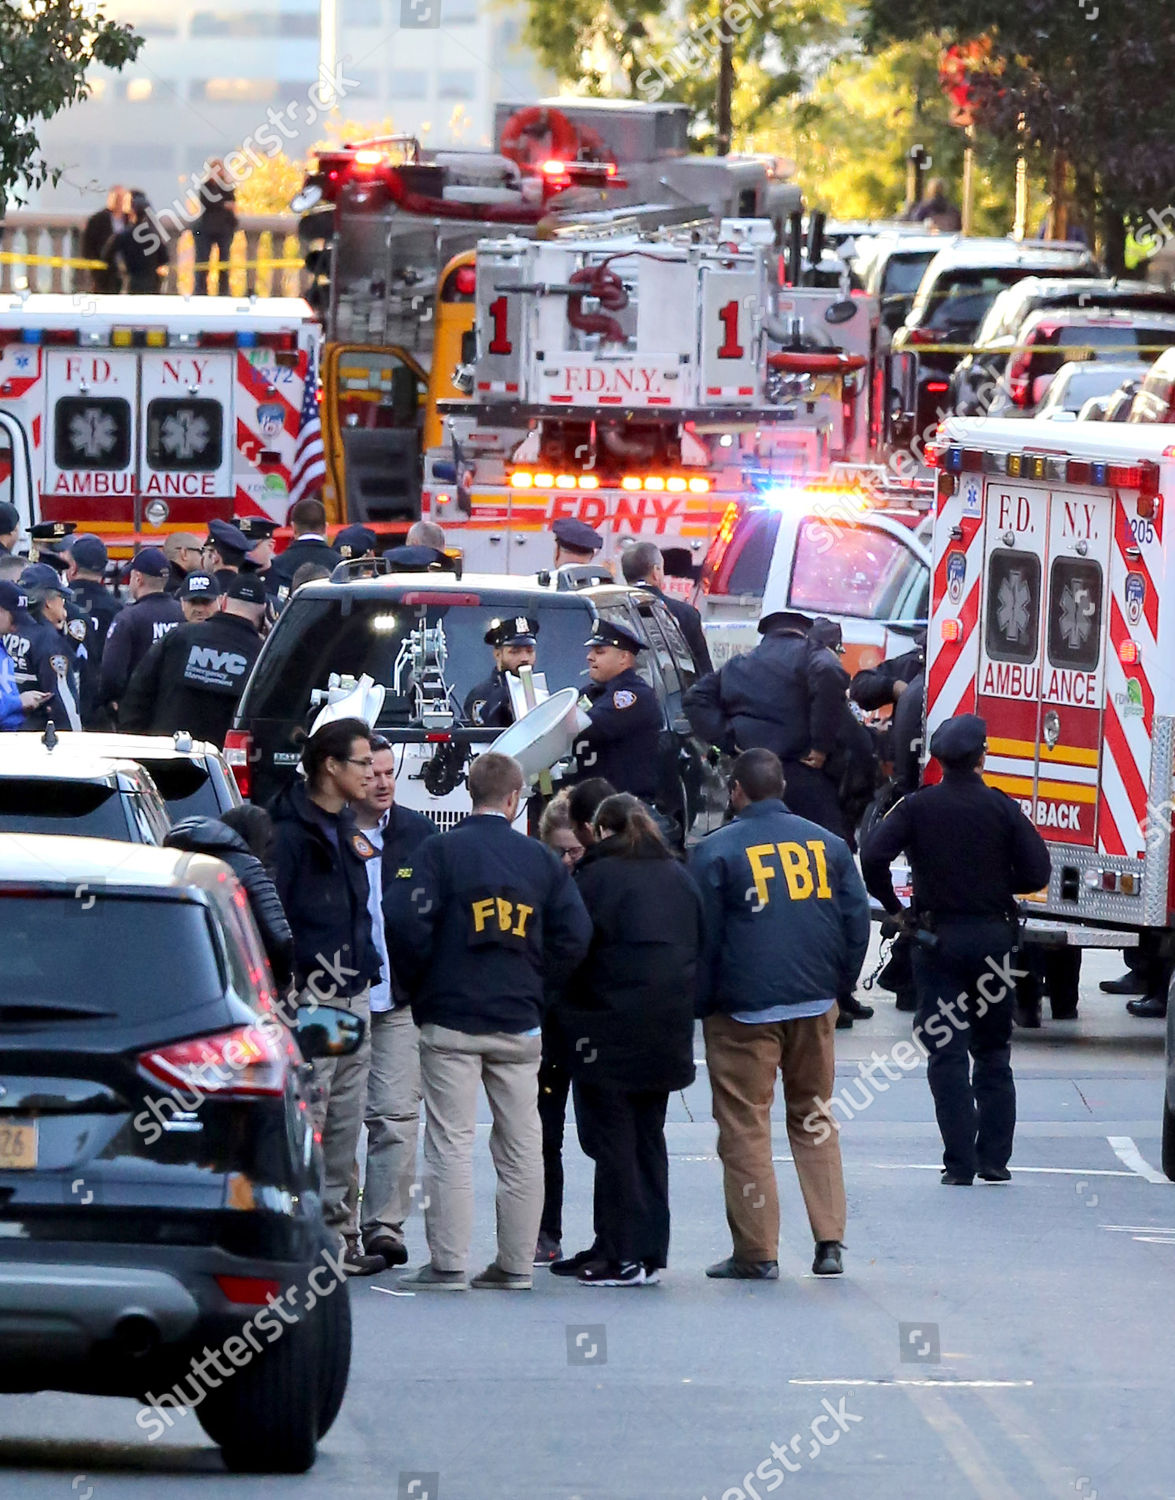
(1053, 616)
(136, 416)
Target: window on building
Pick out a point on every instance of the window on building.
(458, 84)
(234, 90)
(143, 156)
(362, 13)
(458, 10)
(407, 83)
(150, 23)
(139, 90)
(262, 23)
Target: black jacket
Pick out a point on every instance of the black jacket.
(689, 622)
(971, 850)
(132, 633)
(486, 921)
(872, 687)
(322, 884)
(622, 742)
(96, 600)
(628, 1011)
(45, 659)
(906, 734)
(489, 702)
(405, 832)
(301, 550)
(787, 695)
(208, 836)
(192, 680)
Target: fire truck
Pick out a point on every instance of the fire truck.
(136, 416)
(1052, 616)
(651, 385)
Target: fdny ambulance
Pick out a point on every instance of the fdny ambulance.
(1053, 616)
(136, 416)
(644, 384)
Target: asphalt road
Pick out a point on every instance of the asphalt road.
(991, 1342)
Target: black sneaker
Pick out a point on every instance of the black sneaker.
(548, 1250)
(844, 1022)
(732, 1269)
(851, 1006)
(572, 1265)
(393, 1252)
(612, 1273)
(828, 1261)
(1150, 1007)
(995, 1174)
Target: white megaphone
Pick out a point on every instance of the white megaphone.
(545, 735)
(346, 699)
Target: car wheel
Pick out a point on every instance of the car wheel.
(1169, 1139)
(265, 1418)
(334, 1330)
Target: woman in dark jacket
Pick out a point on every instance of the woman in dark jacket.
(628, 1015)
(140, 249)
(210, 836)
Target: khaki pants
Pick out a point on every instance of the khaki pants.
(392, 1117)
(452, 1064)
(338, 1111)
(742, 1061)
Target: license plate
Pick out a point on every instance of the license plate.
(18, 1145)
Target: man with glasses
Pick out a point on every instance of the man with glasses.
(392, 1113)
(185, 553)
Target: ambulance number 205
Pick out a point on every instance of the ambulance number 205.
(1142, 531)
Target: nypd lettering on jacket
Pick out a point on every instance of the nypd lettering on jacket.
(208, 666)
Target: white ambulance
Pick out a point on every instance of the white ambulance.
(136, 416)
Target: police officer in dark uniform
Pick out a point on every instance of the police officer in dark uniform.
(135, 629)
(194, 677)
(52, 543)
(515, 645)
(356, 541)
(621, 743)
(418, 559)
(90, 615)
(9, 527)
(258, 532)
(576, 542)
(225, 551)
(964, 916)
(46, 654)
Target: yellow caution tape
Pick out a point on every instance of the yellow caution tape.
(13, 258)
(16, 258)
(287, 262)
(1075, 351)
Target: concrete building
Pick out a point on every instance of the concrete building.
(214, 74)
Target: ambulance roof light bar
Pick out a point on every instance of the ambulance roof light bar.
(1142, 476)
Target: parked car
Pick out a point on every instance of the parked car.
(159, 1179)
(193, 776)
(890, 267)
(1051, 338)
(378, 626)
(977, 374)
(1155, 400)
(1080, 382)
(956, 291)
(58, 784)
(1116, 407)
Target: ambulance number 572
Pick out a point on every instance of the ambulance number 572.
(1141, 530)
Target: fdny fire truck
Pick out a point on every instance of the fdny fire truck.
(136, 416)
(650, 385)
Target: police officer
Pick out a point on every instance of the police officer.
(418, 558)
(47, 655)
(356, 541)
(515, 645)
(194, 677)
(964, 916)
(787, 696)
(135, 629)
(225, 551)
(9, 527)
(16, 701)
(258, 532)
(575, 542)
(86, 561)
(622, 741)
(199, 597)
(52, 543)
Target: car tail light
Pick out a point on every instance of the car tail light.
(1019, 380)
(244, 1063)
(922, 335)
(249, 1291)
(238, 752)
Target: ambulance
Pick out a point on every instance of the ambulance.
(645, 384)
(1053, 616)
(136, 416)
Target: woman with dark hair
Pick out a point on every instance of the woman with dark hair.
(628, 1014)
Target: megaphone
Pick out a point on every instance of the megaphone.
(545, 735)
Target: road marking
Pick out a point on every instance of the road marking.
(1126, 1151)
(984, 1385)
(1145, 1234)
(931, 1166)
(388, 1292)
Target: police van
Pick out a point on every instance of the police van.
(136, 416)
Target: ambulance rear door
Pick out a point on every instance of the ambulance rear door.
(1042, 633)
(186, 438)
(91, 439)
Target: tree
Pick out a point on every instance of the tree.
(47, 45)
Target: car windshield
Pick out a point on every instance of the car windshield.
(903, 272)
(85, 809)
(849, 570)
(1071, 342)
(1073, 387)
(351, 635)
(961, 298)
(184, 785)
(161, 959)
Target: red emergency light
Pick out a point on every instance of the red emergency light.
(951, 631)
(1128, 653)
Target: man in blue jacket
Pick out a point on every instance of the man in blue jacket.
(787, 926)
(486, 920)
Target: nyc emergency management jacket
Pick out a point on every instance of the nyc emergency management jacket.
(192, 679)
(786, 914)
(787, 695)
(485, 921)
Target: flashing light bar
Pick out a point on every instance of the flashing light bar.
(1143, 476)
(676, 484)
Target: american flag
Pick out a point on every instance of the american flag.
(309, 466)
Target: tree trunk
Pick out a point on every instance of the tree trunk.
(725, 92)
(1113, 238)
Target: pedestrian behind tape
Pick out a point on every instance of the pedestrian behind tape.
(486, 919)
(965, 920)
(787, 926)
(628, 1012)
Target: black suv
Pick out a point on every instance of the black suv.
(364, 626)
(159, 1180)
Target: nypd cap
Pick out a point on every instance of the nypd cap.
(11, 597)
(608, 633)
(9, 518)
(577, 535)
(255, 528)
(519, 630)
(40, 578)
(415, 559)
(355, 541)
(151, 562)
(230, 541)
(784, 619)
(198, 586)
(247, 587)
(88, 551)
(960, 739)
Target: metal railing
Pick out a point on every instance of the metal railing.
(37, 247)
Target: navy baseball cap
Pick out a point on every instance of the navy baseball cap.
(415, 559)
(11, 597)
(151, 562)
(9, 518)
(828, 633)
(88, 551)
(248, 588)
(520, 630)
(784, 619)
(255, 528)
(607, 633)
(41, 578)
(959, 739)
(230, 540)
(577, 535)
(198, 586)
(355, 541)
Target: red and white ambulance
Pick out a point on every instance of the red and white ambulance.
(1053, 616)
(136, 416)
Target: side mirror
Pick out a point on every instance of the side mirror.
(841, 312)
(329, 1031)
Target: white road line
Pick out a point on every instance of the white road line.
(985, 1385)
(919, 1166)
(1126, 1151)
(388, 1292)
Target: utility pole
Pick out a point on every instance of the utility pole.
(725, 91)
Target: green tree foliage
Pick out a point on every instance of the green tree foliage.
(45, 48)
